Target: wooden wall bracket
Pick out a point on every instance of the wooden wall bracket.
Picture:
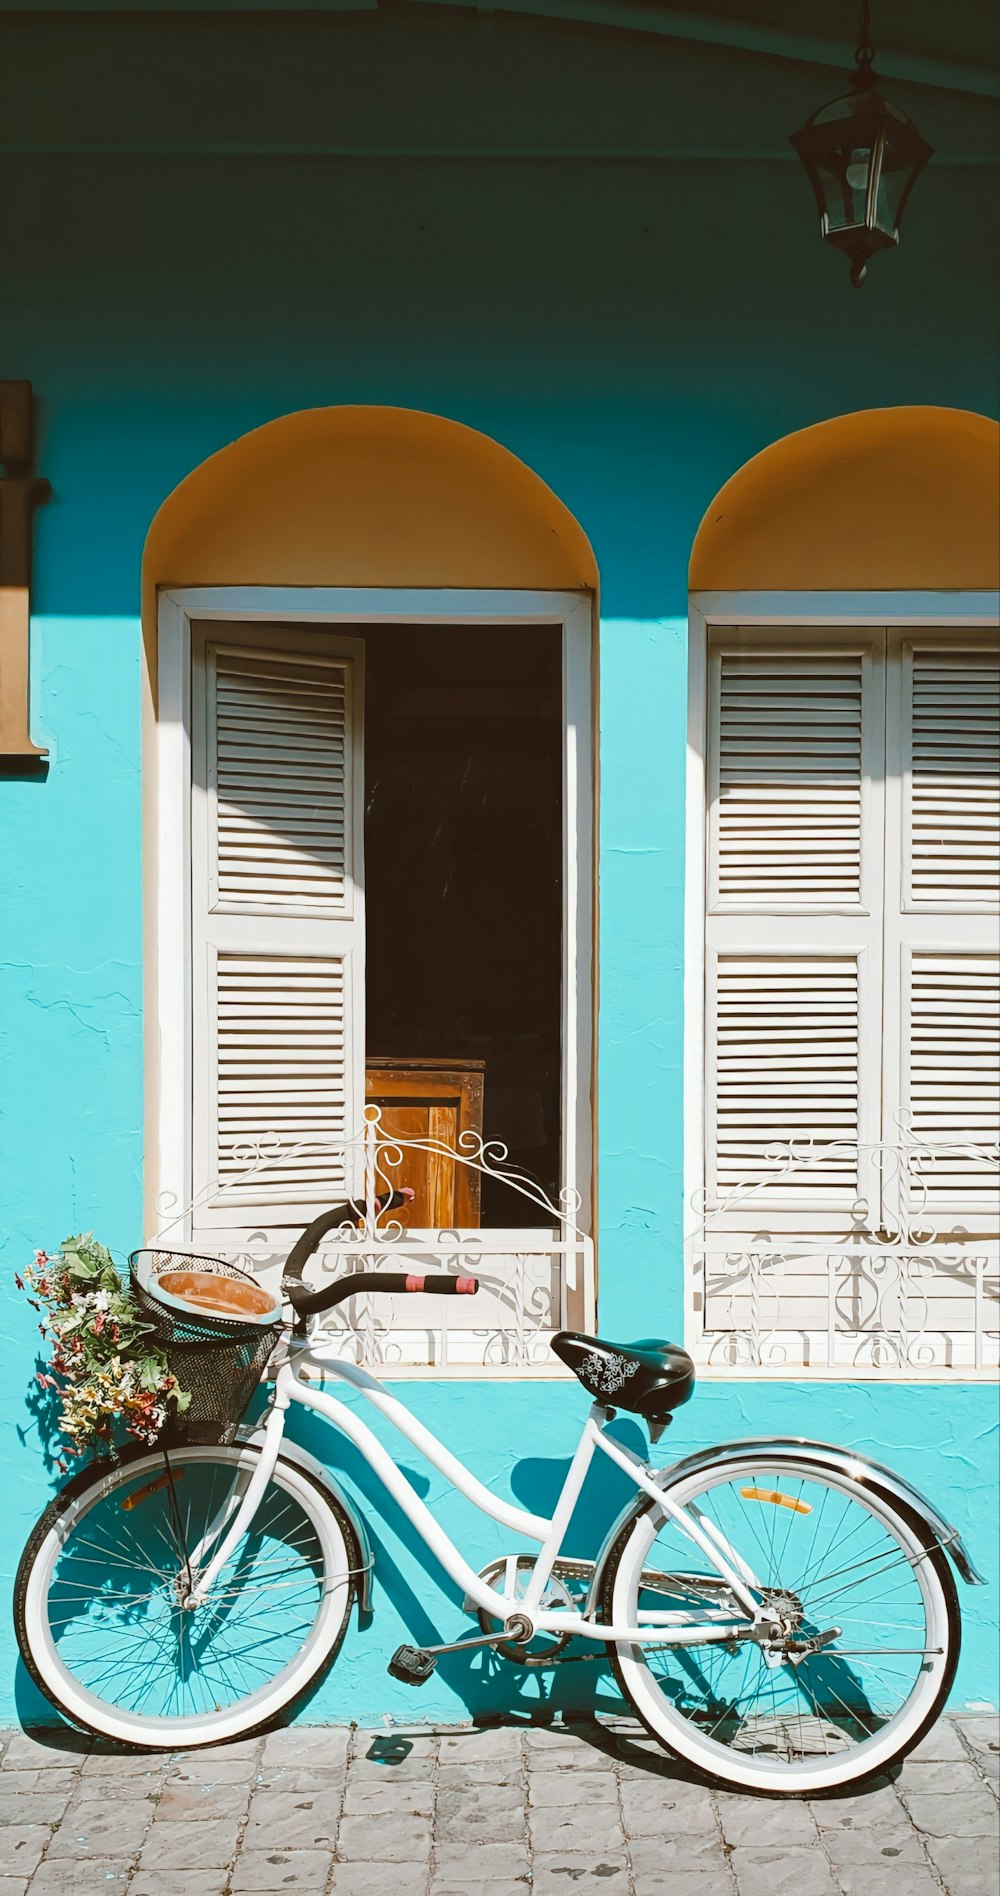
(20, 493)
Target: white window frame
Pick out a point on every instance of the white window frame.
(708, 612)
(170, 1084)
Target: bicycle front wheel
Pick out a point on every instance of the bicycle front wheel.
(865, 1617)
(99, 1597)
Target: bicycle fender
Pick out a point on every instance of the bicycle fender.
(845, 1461)
(362, 1556)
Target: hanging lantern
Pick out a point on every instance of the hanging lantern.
(863, 156)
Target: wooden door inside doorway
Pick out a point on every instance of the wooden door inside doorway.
(428, 1100)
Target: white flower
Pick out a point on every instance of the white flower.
(102, 1300)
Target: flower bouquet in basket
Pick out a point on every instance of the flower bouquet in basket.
(106, 1371)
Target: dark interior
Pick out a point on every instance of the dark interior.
(463, 872)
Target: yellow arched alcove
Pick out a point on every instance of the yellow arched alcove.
(364, 496)
(889, 499)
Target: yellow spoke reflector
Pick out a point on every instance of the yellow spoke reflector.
(777, 1500)
(142, 1494)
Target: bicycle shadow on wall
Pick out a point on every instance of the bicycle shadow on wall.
(41, 1429)
(487, 1685)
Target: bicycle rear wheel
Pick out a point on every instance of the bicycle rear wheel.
(867, 1607)
(99, 1598)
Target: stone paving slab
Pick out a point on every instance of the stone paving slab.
(509, 1809)
(714, 1882)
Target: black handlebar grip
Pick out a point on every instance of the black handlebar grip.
(439, 1284)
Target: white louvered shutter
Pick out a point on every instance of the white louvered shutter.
(277, 923)
(942, 1077)
(793, 929)
(950, 732)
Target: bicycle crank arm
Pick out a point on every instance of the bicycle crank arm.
(413, 1665)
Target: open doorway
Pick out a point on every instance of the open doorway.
(464, 890)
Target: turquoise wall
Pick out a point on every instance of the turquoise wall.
(634, 326)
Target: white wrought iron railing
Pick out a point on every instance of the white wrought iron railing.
(906, 1288)
(534, 1278)
(909, 1287)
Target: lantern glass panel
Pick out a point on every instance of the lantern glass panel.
(898, 161)
(842, 171)
(844, 141)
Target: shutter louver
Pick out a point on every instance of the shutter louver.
(786, 1078)
(789, 777)
(954, 762)
(278, 925)
(954, 1075)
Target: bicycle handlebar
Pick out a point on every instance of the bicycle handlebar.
(308, 1303)
(350, 1211)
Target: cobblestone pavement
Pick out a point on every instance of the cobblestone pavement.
(507, 1810)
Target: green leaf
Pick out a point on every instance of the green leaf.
(80, 1271)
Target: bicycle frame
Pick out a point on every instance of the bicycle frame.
(666, 1627)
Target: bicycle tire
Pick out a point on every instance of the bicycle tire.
(680, 1735)
(311, 1494)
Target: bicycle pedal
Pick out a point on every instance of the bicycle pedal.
(412, 1665)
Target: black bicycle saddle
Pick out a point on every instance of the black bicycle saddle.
(650, 1378)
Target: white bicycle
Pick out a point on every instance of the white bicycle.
(781, 1614)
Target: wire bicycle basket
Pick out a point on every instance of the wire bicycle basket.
(216, 1326)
